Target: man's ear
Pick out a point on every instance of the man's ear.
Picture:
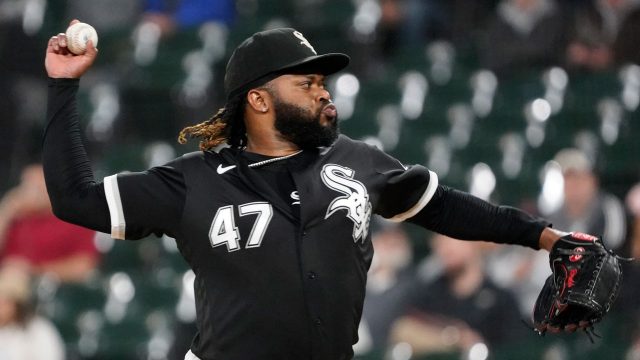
(259, 100)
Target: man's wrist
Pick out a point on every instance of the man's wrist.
(63, 81)
(549, 236)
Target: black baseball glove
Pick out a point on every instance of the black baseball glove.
(585, 282)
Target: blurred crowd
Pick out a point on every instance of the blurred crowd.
(160, 68)
(508, 35)
(163, 61)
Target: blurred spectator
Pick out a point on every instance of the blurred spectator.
(634, 351)
(590, 209)
(633, 204)
(416, 22)
(461, 307)
(459, 20)
(24, 335)
(468, 20)
(388, 285)
(604, 33)
(631, 290)
(523, 34)
(521, 270)
(392, 16)
(586, 207)
(30, 235)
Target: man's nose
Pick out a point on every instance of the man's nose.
(324, 95)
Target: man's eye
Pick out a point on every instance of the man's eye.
(306, 84)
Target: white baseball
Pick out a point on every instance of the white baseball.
(77, 36)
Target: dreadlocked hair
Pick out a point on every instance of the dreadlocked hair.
(227, 125)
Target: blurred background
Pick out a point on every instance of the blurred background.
(529, 103)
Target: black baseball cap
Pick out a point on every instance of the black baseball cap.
(271, 53)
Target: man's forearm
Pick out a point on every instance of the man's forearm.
(463, 216)
(75, 196)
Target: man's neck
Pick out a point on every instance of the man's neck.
(271, 146)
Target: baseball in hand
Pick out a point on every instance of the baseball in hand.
(77, 36)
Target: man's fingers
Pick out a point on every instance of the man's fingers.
(91, 51)
(62, 40)
(74, 21)
(63, 43)
(50, 44)
(59, 43)
(54, 44)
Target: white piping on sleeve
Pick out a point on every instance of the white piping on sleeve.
(118, 224)
(424, 200)
(190, 356)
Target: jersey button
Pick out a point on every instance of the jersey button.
(318, 322)
(311, 275)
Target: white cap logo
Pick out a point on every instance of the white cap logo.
(304, 41)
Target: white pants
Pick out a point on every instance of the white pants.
(189, 356)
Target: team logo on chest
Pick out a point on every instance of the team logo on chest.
(355, 199)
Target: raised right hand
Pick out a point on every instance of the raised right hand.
(61, 63)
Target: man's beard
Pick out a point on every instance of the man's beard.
(302, 127)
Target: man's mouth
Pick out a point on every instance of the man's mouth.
(330, 111)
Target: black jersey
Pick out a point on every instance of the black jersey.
(280, 268)
(272, 283)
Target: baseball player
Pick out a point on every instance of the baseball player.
(276, 225)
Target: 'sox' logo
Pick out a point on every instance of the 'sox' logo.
(355, 199)
(304, 41)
